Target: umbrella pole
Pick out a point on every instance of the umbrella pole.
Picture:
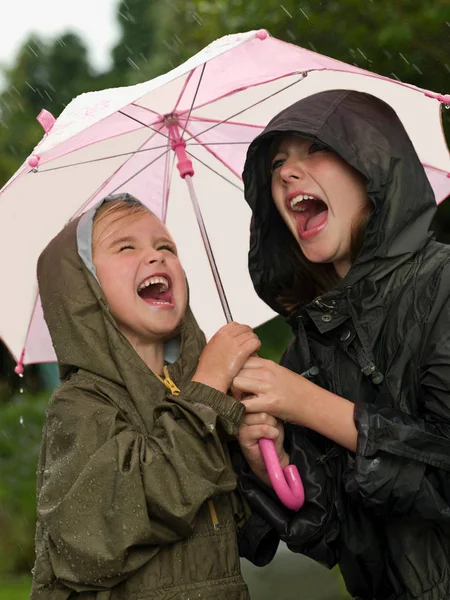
(186, 170)
(208, 249)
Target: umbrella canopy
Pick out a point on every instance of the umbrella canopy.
(200, 117)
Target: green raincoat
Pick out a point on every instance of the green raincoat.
(135, 490)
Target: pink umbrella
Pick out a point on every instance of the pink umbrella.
(199, 117)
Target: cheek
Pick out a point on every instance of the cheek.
(276, 193)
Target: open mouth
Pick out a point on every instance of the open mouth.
(156, 291)
(310, 213)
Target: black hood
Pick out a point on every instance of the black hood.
(369, 136)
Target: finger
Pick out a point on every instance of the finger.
(249, 436)
(234, 329)
(249, 384)
(260, 419)
(244, 337)
(251, 346)
(256, 362)
(237, 394)
(256, 405)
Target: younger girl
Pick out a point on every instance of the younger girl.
(135, 487)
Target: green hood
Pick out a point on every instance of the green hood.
(84, 333)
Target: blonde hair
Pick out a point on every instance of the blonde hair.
(119, 210)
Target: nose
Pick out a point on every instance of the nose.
(292, 169)
(153, 255)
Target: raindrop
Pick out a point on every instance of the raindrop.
(196, 18)
(303, 13)
(291, 34)
(124, 17)
(21, 420)
(31, 49)
(21, 375)
(30, 86)
(21, 390)
(417, 69)
(286, 11)
(131, 62)
(404, 58)
(362, 53)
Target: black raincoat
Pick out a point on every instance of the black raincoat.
(380, 338)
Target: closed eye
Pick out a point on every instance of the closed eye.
(168, 247)
(126, 247)
(318, 147)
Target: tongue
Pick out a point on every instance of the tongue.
(153, 292)
(314, 213)
(317, 220)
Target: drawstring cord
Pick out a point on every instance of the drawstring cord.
(364, 358)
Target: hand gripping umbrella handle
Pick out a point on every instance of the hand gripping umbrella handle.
(286, 482)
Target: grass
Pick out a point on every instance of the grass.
(15, 588)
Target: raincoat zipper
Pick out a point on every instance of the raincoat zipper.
(170, 385)
(213, 513)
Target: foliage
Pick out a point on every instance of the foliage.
(21, 422)
(15, 589)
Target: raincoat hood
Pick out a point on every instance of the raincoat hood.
(369, 136)
(84, 333)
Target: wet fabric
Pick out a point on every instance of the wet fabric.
(380, 338)
(135, 492)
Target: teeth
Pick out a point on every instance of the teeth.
(298, 199)
(153, 281)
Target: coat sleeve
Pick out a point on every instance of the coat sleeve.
(110, 496)
(402, 463)
(314, 529)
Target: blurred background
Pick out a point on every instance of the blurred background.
(51, 51)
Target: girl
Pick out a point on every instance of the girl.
(135, 486)
(341, 245)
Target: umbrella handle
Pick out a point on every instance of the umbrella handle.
(286, 482)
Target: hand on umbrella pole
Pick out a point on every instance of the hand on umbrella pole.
(286, 482)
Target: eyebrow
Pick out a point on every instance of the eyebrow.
(121, 240)
(130, 239)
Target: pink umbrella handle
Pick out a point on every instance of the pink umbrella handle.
(286, 482)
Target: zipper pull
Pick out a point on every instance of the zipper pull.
(213, 513)
(174, 390)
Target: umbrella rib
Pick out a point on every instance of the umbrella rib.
(194, 99)
(216, 172)
(144, 124)
(115, 174)
(249, 107)
(215, 143)
(140, 171)
(93, 160)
